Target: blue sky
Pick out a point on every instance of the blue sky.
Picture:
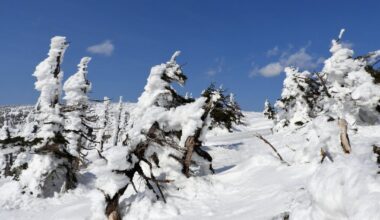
(233, 43)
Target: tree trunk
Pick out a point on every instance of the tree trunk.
(189, 145)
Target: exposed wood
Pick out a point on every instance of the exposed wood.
(325, 154)
(376, 150)
(112, 209)
(189, 145)
(344, 140)
(273, 148)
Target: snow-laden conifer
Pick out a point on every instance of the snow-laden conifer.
(117, 121)
(51, 167)
(164, 137)
(355, 93)
(77, 128)
(104, 121)
(293, 108)
(269, 111)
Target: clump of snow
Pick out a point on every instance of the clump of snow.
(77, 86)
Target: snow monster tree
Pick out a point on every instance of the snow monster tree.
(51, 168)
(164, 138)
(78, 121)
(347, 88)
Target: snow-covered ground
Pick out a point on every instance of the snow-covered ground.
(250, 183)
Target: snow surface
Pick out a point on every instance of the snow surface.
(250, 181)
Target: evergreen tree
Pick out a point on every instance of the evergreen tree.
(293, 107)
(269, 111)
(165, 134)
(78, 128)
(104, 121)
(118, 122)
(352, 85)
(51, 168)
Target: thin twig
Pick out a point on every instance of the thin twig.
(101, 156)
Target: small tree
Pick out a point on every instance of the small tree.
(118, 122)
(224, 110)
(102, 135)
(269, 111)
(294, 107)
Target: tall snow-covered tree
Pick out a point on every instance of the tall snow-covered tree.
(51, 168)
(78, 130)
(118, 122)
(104, 121)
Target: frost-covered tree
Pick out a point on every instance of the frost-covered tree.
(118, 122)
(293, 107)
(164, 138)
(78, 129)
(51, 167)
(352, 84)
(224, 110)
(269, 111)
(346, 88)
(104, 121)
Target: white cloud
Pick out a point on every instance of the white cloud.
(301, 59)
(219, 64)
(272, 69)
(106, 48)
(273, 52)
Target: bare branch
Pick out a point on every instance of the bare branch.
(273, 148)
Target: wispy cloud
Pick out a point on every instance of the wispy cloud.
(218, 67)
(273, 52)
(300, 58)
(106, 48)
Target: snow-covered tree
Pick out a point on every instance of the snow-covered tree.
(352, 85)
(78, 130)
(164, 137)
(293, 107)
(51, 167)
(224, 110)
(118, 122)
(104, 121)
(269, 111)
(347, 88)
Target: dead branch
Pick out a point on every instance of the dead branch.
(101, 156)
(273, 148)
(344, 140)
(326, 154)
(323, 85)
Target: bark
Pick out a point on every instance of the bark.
(325, 154)
(189, 145)
(112, 209)
(344, 140)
